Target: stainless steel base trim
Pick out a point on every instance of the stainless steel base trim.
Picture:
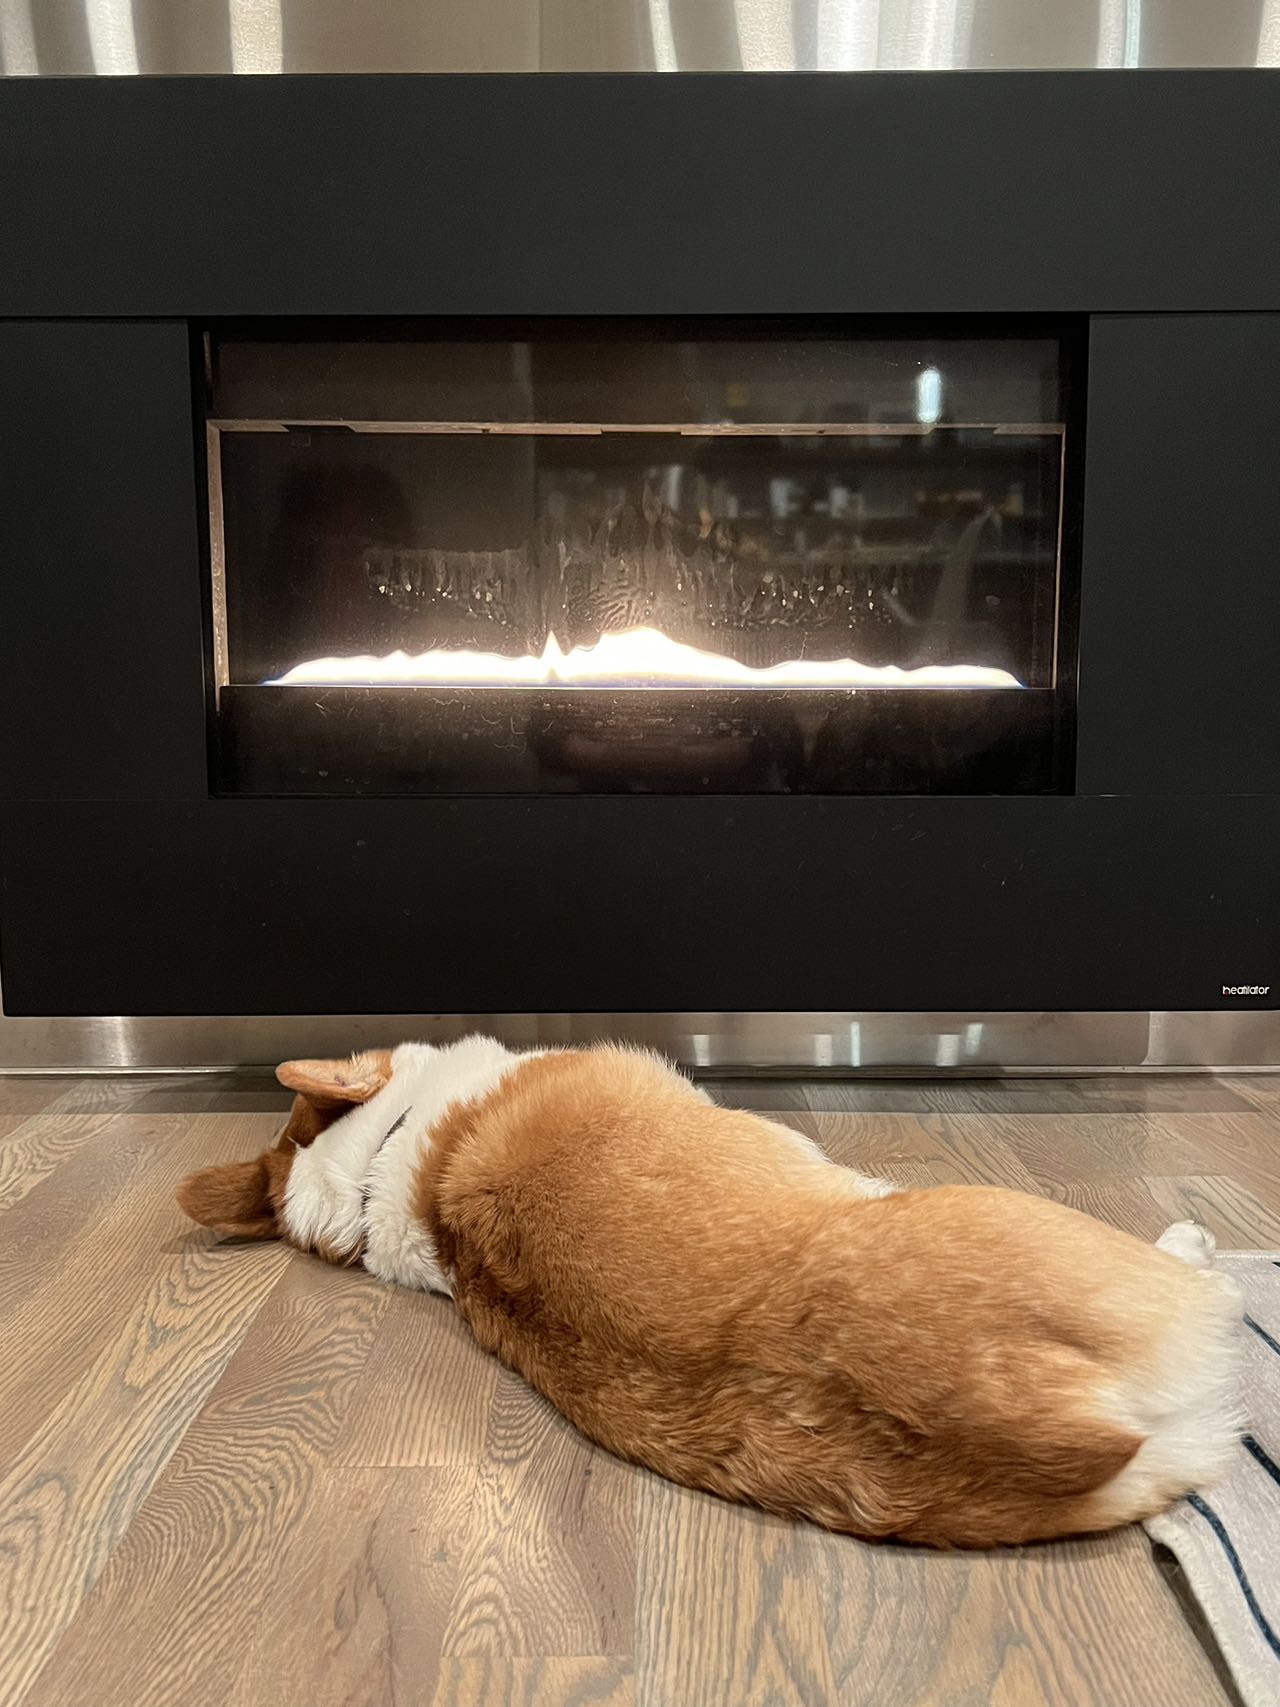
(801, 1043)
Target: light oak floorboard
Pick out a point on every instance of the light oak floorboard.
(211, 1540)
(548, 1566)
(425, 1396)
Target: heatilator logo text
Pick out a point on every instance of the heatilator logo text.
(1246, 989)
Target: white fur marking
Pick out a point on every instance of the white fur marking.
(353, 1186)
(1186, 1399)
(1190, 1242)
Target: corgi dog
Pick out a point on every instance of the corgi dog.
(701, 1291)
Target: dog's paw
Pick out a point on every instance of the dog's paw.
(1190, 1242)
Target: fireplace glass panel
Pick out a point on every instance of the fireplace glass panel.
(651, 557)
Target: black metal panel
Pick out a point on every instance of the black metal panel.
(891, 193)
(101, 686)
(125, 889)
(1179, 655)
(638, 903)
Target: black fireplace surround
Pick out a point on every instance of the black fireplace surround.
(962, 372)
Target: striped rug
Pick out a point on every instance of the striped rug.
(1227, 1541)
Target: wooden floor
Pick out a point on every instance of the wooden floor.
(233, 1476)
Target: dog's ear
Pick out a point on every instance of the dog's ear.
(234, 1199)
(353, 1080)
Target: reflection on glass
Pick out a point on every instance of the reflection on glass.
(831, 558)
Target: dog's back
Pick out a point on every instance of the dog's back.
(698, 1290)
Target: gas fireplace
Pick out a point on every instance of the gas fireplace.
(782, 568)
(628, 556)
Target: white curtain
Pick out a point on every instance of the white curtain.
(890, 35)
(1119, 33)
(17, 39)
(257, 36)
(662, 36)
(848, 35)
(112, 43)
(1269, 33)
(766, 40)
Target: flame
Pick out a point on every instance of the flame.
(635, 657)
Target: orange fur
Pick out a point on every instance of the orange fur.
(335, 1083)
(234, 1199)
(924, 1365)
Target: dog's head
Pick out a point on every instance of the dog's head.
(245, 1200)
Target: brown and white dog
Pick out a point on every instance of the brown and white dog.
(703, 1292)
